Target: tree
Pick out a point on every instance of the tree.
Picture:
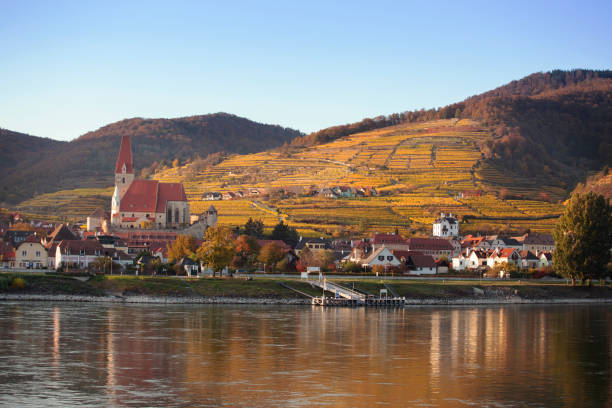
(325, 259)
(183, 246)
(285, 233)
(583, 237)
(254, 228)
(271, 254)
(246, 250)
(217, 250)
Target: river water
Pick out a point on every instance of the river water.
(89, 354)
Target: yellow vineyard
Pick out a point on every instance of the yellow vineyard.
(416, 170)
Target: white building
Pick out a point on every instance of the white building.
(446, 226)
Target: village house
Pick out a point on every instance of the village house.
(381, 256)
(313, 244)
(436, 247)
(501, 242)
(446, 226)
(473, 259)
(545, 259)
(529, 260)
(79, 254)
(538, 242)
(361, 250)
(31, 254)
(421, 265)
(97, 219)
(7, 255)
(390, 241)
(506, 255)
(212, 196)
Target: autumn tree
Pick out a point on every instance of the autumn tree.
(271, 254)
(583, 237)
(246, 250)
(217, 250)
(183, 246)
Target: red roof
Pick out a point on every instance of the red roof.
(405, 254)
(169, 192)
(125, 156)
(506, 252)
(141, 196)
(151, 196)
(379, 239)
(431, 244)
(32, 239)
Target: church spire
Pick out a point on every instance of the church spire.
(124, 160)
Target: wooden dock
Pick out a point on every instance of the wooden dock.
(367, 302)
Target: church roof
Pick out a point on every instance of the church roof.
(151, 196)
(125, 156)
(170, 192)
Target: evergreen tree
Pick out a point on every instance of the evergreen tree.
(583, 237)
(285, 233)
(254, 228)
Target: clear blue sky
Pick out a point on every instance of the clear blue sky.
(70, 67)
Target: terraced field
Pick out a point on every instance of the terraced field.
(418, 170)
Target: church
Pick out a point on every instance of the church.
(145, 203)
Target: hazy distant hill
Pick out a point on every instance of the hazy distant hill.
(32, 165)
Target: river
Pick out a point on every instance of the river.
(90, 354)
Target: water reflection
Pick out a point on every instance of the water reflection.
(295, 356)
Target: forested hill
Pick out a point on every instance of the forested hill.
(554, 124)
(30, 165)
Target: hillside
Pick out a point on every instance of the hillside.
(554, 124)
(502, 161)
(599, 183)
(33, 165)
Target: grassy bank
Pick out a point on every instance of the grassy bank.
(273, 288)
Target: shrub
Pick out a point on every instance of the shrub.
(18, 283)
(4, 283)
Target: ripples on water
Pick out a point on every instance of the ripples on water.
(71, 354)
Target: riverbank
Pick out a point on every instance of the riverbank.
(269, 290)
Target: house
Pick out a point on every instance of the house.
(212, 196)
(391, 241)
(228, 195)
(7, 255)
(501, 242)
(477, 258)
(538, 242)
(421, 265)
(545, 259)
(506, 255)
(313, 244)
(361, 250)
(529, 260)
(79, 253)
(16, 237)
(31, 254)
(436, 247)
(328, 193)
(96, 219)
(61, 233)
(446, 226)
(190, 266)
(381, 256)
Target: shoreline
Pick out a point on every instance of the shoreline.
(515, 300)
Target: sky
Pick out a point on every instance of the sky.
(69, 67)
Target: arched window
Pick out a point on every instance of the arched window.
(176, 215)
(169, 216)
(123, 180)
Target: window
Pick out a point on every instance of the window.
(23, 253)
(381, 258)
(389, 257)
(37, 253)
(123, 181)
(82, 252)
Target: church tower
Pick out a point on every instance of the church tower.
(124, 169)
